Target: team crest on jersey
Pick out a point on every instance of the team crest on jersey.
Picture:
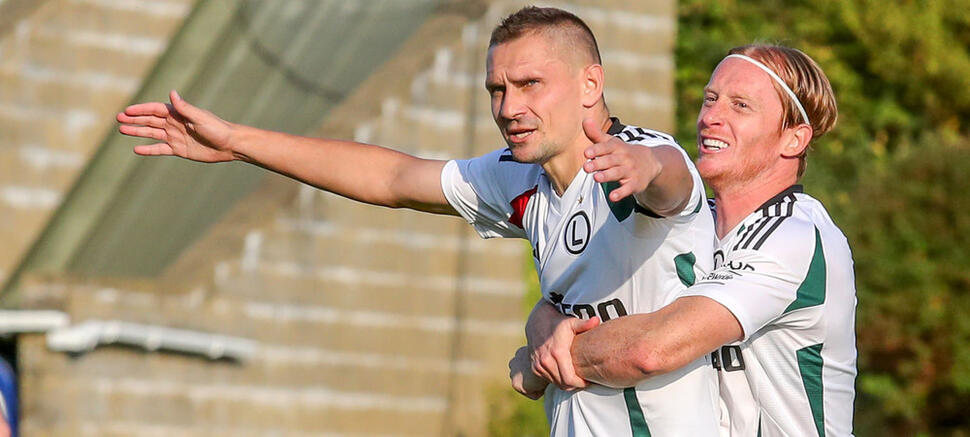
(577, 233)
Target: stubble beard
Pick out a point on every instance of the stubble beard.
(542, 152)
(737, 177)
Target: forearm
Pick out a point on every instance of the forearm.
(541, 323)
(362, 172)
(630, 349)
(668, 192)
(614, 354)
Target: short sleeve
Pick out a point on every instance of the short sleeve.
(760, 286)
(479, 189)
(698, 197)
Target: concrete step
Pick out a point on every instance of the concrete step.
(302, 325)
(215, 405)
(127, 17)
(76, 129)
(35, 166)
(276, 365)
(21, 220)
(32, 84)
(354, 289)
(403, 250)
(365, 330)
(78, 50)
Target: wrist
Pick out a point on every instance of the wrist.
(239, 141)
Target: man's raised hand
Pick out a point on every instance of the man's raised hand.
(611, 159)
(182, 130)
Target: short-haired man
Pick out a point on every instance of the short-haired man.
(781, 299)
(616, 228)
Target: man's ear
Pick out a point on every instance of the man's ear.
(592, 85)
(798, 138)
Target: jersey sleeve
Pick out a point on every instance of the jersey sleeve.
(478, 189)
(698, 197)
(768, 285)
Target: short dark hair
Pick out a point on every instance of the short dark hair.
(535, 19)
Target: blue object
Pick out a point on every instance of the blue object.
(8, 389)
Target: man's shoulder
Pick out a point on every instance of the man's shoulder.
(500, 172)
(782, 227)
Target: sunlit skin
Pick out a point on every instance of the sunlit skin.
(539, 99)
(742, 149)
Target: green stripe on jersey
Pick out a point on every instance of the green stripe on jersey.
(810, 367)
(622, 209)
(685, 268)
(812, 290)
(637, 421)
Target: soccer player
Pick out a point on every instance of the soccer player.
(778, 311)
(614, 213)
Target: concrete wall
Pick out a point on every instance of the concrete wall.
(66, 67)
(369, 321)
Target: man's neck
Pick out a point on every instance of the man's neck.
(562, 168)
(736, 202)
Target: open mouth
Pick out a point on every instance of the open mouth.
(712, 145)
(520, 135)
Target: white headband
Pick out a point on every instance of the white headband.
(777, 79)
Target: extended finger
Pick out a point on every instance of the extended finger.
(610, 174)
(601, 163)
(601, 149)
(158, 149)
(620, 192)
(185, 109)
(545, 366)
(143, 132)
(569, 380)
(143, 120)
(152, 108)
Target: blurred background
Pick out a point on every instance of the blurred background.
(162, 297)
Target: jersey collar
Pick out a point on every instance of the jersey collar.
(797, 188)
(615, 126)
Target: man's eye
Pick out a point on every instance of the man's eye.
(531, 82)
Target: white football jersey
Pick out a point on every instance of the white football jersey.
(785, 272)
(606, 259)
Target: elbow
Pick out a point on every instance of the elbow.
(651, 361)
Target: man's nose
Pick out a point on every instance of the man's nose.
(712, 115)
(513, 105)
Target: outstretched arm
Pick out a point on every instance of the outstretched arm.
(656, 176)
(629, 349)
(361, 172)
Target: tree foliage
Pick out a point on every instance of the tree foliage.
(893, 174)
